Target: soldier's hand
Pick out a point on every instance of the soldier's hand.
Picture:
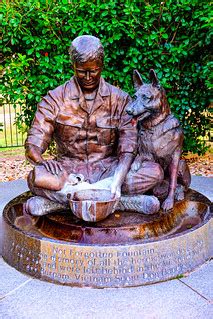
(52, 166)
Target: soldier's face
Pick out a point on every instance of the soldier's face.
(88, 74)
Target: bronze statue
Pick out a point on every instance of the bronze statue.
(96, 140)
(160, 139)
(117, 161)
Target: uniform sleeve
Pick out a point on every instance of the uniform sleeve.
(127, 142)
(41, 131)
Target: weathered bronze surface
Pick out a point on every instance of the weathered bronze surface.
(126, 249)
(94, 127)
(86, 117)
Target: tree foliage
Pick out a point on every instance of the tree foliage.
(173, 37)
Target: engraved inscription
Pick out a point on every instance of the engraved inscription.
(124, 265)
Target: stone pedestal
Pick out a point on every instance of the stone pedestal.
(126, 249)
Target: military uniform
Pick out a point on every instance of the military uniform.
(89, 140)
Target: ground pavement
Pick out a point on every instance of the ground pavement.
(22, 297)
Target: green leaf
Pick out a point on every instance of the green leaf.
(165, 36)
(174, 37)
(30, 51)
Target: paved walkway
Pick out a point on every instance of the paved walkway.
(22, 297)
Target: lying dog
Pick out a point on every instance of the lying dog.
(160, 135)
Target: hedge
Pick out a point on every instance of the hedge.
(173, 37)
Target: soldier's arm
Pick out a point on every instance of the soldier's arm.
(34, 154)
(41, 131)
(127, 148)
(125, 161)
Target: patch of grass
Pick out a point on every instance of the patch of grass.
(9, 133)
(12, 137)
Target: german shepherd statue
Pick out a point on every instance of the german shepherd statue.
(160, 139)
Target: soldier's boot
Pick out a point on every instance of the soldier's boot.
(40, 206)
(139, 203)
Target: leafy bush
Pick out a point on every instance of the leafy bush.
(173, 37)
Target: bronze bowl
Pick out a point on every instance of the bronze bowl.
(93, 205)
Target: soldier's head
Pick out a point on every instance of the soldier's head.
(87, 56)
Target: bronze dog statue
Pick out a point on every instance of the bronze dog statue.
(160, 138)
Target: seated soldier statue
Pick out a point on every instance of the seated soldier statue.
(96, 141)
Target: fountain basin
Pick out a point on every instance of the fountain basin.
(126, 249)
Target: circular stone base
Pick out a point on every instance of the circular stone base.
(126, 249)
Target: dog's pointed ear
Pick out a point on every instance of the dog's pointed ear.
(153, 77)
(137, 80)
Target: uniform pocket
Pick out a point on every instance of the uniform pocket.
(67, 127)
(107, 128)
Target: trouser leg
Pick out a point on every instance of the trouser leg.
(56, 196)
(45, 201)
(48, 201)
(140, 182)
(135, 183)
(149, 175)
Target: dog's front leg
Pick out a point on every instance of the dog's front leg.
(173, 171)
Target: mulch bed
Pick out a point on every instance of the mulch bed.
(14, 167)
(200, 165)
